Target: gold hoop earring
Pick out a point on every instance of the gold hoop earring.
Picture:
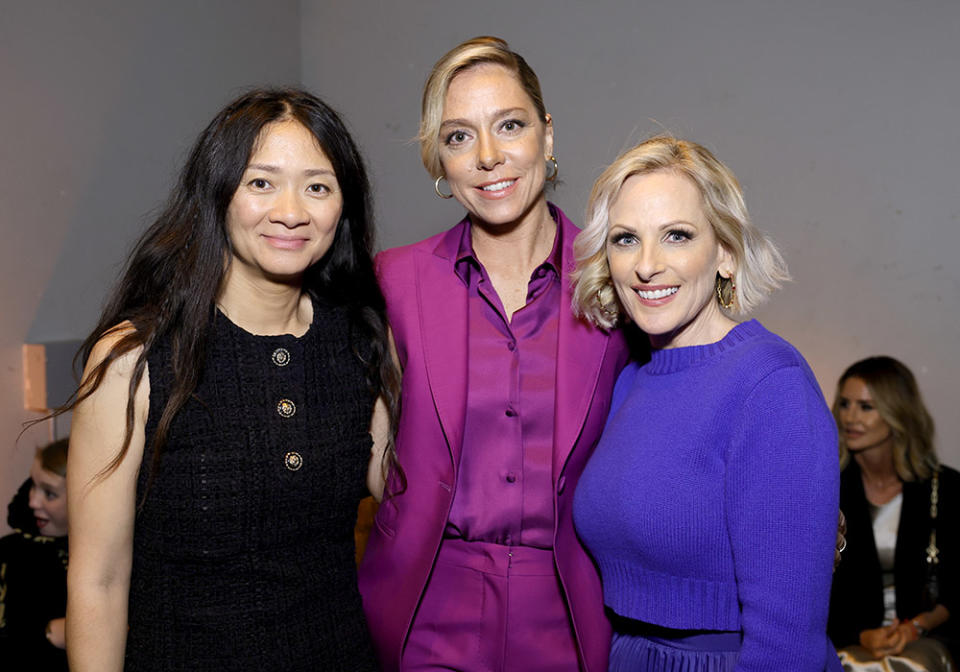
(552, 177)
(436, 188)
(726, 305)
(612, 314)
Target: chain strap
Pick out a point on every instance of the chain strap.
(933, 553)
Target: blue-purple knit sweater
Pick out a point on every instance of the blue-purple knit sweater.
(711, 500)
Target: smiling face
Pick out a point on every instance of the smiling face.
(283, 217)
(664, 258)
(48, 500)
(494, 146)
(861, 424)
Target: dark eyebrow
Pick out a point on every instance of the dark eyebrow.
(312, 172)
(319, 171)
(264, 167)
(499, 113)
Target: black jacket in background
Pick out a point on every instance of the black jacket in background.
(856, 601)
(33, 590)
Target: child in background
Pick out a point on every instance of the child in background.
(33, 565)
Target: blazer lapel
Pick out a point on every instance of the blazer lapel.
(580, 352)
(442, 304)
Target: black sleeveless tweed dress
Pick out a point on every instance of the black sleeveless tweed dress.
(243, 553)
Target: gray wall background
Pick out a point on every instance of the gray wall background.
(101, 101)
(839, 119)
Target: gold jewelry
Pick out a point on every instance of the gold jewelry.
(551, 177)
(436, 188)
(293, 460)
(612, 314)
(726, 305)
(933, 553)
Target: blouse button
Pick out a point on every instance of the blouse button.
(286, 408)
(293, 460)
(281, 356)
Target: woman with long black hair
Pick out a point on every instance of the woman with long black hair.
(222, 431)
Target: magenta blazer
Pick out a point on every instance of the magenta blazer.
(427, 310)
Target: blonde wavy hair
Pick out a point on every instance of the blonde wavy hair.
(896, 396)
(760, 269)
(473, 52)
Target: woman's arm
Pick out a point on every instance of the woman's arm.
(101, 514)
(381, 431)
(782, 498)
(911, 630)
(928, 620)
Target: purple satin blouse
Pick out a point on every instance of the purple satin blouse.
(505, 481)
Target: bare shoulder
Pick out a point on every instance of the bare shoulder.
(104, 348)
(100, 426)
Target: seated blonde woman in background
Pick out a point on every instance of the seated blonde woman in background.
(895, 592)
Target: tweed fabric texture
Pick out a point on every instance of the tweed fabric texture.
(243, 548)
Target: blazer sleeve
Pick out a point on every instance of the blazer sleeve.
(948, 541)
(396, 276)
(856, 597)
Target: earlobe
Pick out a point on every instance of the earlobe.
(548, 138)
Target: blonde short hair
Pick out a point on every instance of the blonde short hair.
(760, 269)
(897, 398)
(476, 51)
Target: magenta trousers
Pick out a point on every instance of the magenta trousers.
(491, 608)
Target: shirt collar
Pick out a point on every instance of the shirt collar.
(466, 262)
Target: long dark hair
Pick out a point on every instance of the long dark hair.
(170, 284)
